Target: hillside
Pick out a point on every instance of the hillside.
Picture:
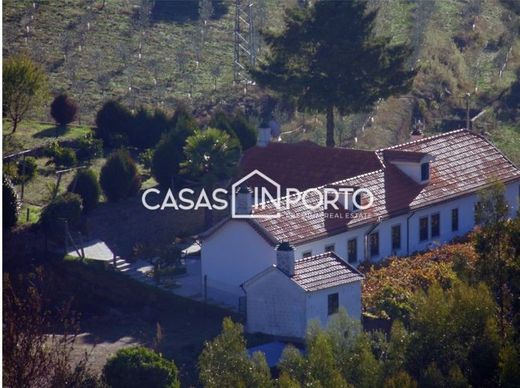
(157, 53)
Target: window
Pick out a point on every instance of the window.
(423, 228)
(396, 237)
(329, 248)
(454, 220)
(374, 244)
(306, 254)
(425, 171)
(352, 250)
(436, 225)
(333, 303)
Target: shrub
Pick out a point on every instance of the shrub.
(10, 204)
(30, 169)
(112, 124)
(147, 127)
(61, 156)
(140, 367)
(145, 158)
(222, 121)
(89, 148)
(245, 131)
(119, 178)
(63, 110)
(64, 207)
(86, 185)
(166, 159)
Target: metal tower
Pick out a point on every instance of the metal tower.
(244, 37)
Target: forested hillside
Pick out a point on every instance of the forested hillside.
(157, 53)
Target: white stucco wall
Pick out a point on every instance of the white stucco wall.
(276, 306)
(349, 296)
(465, 205)
(232, 255)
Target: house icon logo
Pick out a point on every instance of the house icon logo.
(247, 193)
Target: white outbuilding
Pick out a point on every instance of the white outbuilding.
(285, 297)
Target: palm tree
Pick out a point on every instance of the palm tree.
(211, 157)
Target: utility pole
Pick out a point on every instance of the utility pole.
(244, 40)
(468, 122)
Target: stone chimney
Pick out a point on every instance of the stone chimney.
(264, 134)
(244, 200)
(285, 258)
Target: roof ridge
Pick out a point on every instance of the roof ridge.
(423, 139)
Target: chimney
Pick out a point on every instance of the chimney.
(264, 135)
(285, 258)
(244, 200)
(417, 130)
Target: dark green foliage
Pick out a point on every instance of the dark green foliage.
(89, 148)
(140, 367)
(147, 127)
(10, 204)
(166, 159)
(222, 121)
(245, 131)
(112, 124)
(456, 328)
(146, 158)
(169, 152)
(86, 184)
(119, 178)
(64, 207)
(63, 109)
(224, 362)
(61, 156)
(327, 57)
(29, 172)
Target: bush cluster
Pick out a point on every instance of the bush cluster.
(27, 173)
(86, 185)
(10, 204)
(64, 207)
(61, 156)
(119, 177)
(89, 147)
(140, 367)
(63, 110)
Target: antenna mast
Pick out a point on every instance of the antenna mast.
(244, 37)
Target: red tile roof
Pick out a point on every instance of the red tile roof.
(464, 163)
(324, 271)
(305, 164)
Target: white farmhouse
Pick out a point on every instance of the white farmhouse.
(282, 299)
(425, 193)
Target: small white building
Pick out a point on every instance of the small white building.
(282, 299)
(425, 194)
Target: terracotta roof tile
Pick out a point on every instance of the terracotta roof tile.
(464, 163)
(324, 271)
(305, 164)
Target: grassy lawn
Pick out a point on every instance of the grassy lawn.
(31, 134)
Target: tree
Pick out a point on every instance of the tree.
(147, 127)
(454, 328)
(244, 130)
(211, 156)
(31, 356)
(112, 124)
(24, 87)
(10, 204)
(165, 160)
(86, 184)
(63, 109)
(65, 207)
(224, 361)
(496, 248)
(328, 57)
(140, 367)
(119, 177)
